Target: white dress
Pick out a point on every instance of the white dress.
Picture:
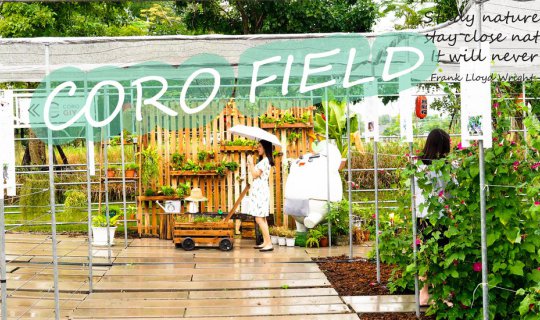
(259, 193)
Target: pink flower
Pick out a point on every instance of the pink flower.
(460, 146)
(418, 241)
(496, 105)
(516, 165)
(477, 267)
(537, 203)
(373, 216)
(441, 194)
(538, 268)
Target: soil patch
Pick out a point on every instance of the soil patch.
(356, 278)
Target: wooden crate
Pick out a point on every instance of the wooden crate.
(204, 234)
(248, 229)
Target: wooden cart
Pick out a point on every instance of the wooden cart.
(188, 235)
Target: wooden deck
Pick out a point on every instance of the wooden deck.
(151, 279)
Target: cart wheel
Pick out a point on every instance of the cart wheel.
(225, 245)
(188, 244)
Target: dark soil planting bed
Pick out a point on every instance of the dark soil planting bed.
(357, 278)
(392, 316)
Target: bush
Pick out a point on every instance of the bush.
(512, 219)
(76, 202)
(35, 196)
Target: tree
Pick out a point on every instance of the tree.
(287, 16)
(422, 13)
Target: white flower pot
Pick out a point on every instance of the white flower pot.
(282, 241)
(99, 235)
(290, 242)
(275, 239)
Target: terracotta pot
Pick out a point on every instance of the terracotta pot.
(323, 242)
(366, 235)
(111, 173)
(131, 173)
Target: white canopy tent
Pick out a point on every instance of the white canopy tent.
(24, 59)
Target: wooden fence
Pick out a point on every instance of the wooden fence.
(223, 190)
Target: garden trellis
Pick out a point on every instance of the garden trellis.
(29, 60)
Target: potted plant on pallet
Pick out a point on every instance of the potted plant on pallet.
(99, 227)
(111, 171)
(290, 238)
(131, 170)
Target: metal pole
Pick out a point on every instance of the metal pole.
(376, 167)
(414, 231)
(523, 89)
(485, 288)
(106, 184)
(349, 179)
(89, 132)
(52, 195)
(327, 167)
(3, 257)
(123, 176)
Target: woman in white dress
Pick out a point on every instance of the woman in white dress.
(260, 191)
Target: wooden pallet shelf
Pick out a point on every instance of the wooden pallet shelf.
(298, 125)
(193, 173)
(237, 148)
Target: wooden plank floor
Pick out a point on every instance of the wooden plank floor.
(152, 279)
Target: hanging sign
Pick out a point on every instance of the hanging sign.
(405, 104)
(7, 144)
(476, 100)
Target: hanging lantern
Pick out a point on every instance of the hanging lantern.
(421, 107)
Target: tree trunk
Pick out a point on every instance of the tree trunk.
(36, 149)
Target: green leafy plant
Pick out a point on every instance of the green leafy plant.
(293, 136)
(192, 166)
(203, 219)
(167, 191)
(449, 247)
(132, 166)
(177, 160)
(201, 155)
(114, 141)
(100, 221)
(313, 238)
(231, 165)
(241, 142)
(150, 165)
(149, 192)
(114, 210)
(34, 197)
(183, 189)
(76, 202)
(337, 124)
(529, 307)
(209, 166)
